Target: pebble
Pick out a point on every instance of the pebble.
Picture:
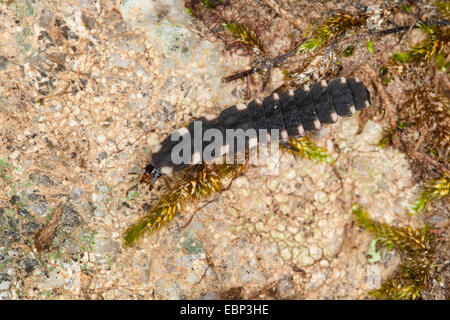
(261, 227)
(289, 173)
(101, 138)
(277, 235)
(273, 184)
(4, 295)
(292, 229)
(299, 237)
(321, 197)
(285, 208)
(304, 258)
(324, 263)
(286, 254)
(317, 279)
(15, 154)
(242, 183)
(4, 285)
(315, 252)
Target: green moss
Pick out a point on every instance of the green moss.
(349, 51)
(413, 274)
(330, 29)
(207, 3)
(403, 124)
(441, 64)
(386, 140)
(443, 8)
(370, 46)
(310, 45)
(435, 189)
(427, 50)
(407, 240)
(190, 12)
(428, 113)
(303, 147)
(243, 34)
(201, 185)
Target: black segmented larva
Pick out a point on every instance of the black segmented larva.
(292, 112)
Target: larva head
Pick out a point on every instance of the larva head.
(150, 176)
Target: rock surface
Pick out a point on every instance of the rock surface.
(88, 90)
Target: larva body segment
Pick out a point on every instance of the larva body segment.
(342, 97)
(292, 113)
(274, 117)
(291, 116)
(323, 103)
(257, 114)
(305, 108)
(361, 96)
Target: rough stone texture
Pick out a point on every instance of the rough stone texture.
(88, 89)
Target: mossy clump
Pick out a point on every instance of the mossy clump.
(244, 35)
(426, 51)
(435, 189)
(330, 29)
(414, 245)
(407, 283)
(303, 147)
(422, 130)
(444, 8)
(429, 113)
(199, 183)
